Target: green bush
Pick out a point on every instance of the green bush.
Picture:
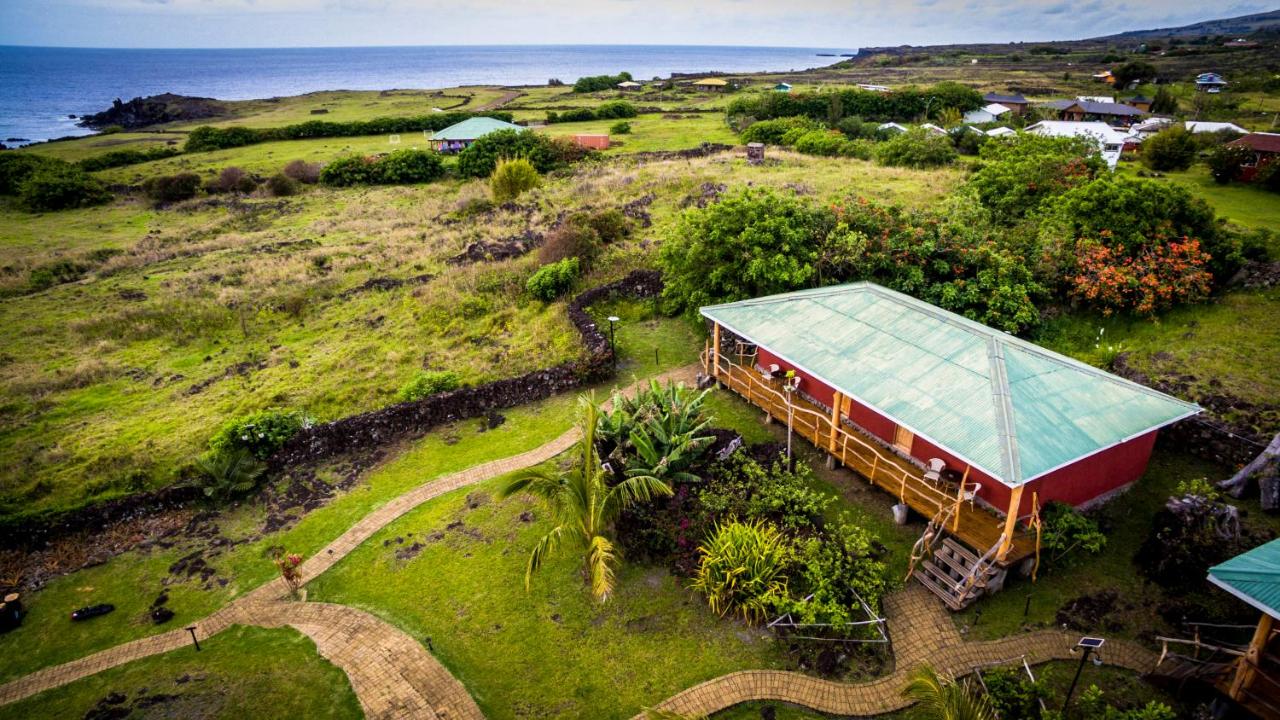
(552, 281)
(481, 157)
(513, 178)
(753, 242)
(350, 170)
(56, 273)
(1019, 173)
(205, 138)
(1224, 162)
(60, 187)
(610, 225)
(281, 185)
(211, 138)
(581, 234)
(771, 132)
(597, 83)
(572, 115)
(1173, 148)
(409, 166)
(825, 143)
(743, 569)
(228, 473)
(121, 158)
(616, 110)
(916, 148)
(901, 105)
(832, 574)
(620, 128)
(16, 167)
(427, 383)
(1065, 530)
(172, 188)
(260, 434)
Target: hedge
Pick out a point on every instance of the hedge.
(210, 138)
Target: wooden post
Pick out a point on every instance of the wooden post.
(715, 350)
(1245, 665)
(1010, 523)
(835, 428)
(706, 358)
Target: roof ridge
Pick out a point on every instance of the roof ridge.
(1002, 396)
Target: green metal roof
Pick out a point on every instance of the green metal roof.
(1010, 408)
(1254, 577)
(472, 128)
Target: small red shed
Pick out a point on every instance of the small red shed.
(1265, 147)
(595, 142)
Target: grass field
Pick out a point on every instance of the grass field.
(241, 673)
(1239, 203)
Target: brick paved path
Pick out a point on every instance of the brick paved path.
(395, 677)
(391, 673)
(922, 632)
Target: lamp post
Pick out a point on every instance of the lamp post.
(787, 386)
(1089, 645)
(613, 346)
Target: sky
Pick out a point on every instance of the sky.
(800, 23)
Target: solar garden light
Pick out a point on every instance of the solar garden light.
(613, 346)
(1090, 646)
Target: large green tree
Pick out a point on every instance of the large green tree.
(583, 506)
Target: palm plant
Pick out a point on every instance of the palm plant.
(583, 506)
(946, 700)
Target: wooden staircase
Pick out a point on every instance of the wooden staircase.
(958, 576)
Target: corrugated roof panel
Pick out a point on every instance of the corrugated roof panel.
(472, 128)
(1253, 576)
(941, 375)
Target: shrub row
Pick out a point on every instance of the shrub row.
(44, 184)
(210, 138)
(900, 105)
(597, 83)
(121, 158)
(612, 110)
(401, 167)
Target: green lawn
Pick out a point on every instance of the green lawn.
(241, 673)
(1240, 203)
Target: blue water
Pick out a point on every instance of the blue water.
(40, 87)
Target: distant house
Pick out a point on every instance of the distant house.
(1210, 82)
(459, 136)
(1088, 111)
(1096, 98)
(934, 129)
(712, 84)
(1200, 126)
(1151, 126)
(986, 114)
(873, 88)
(1110, 141)
(1266, 150)
(1001, 131)
(1104, 77)
(1141, 102)
(1015, 102)
(782, 87)
(629, 86)
(1240, 43)
(892, 127)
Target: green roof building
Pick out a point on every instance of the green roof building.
(458, 136)
(1253, 679)
(933, 385)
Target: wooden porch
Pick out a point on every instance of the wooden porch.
(997, 539)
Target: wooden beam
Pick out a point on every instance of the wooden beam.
(1245, 666)
(955, 518)
(715, 350)
(835, 421)
(1010, 523)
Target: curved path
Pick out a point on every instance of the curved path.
(395, 677)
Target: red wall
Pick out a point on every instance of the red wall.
(1075, 484)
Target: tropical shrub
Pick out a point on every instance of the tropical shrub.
(947, 700)
(743, 569)
(620, 128)
(260, 433)
(61, 187)
(1093, 705)
(616, 110)
(562, 151)
(172, 188)
(597, 83)
(833, 574)
(611, 225)
(512, 178)
(771, 132)
(1268, 177)
(1019, 173)
(1164, 102)
(428, 382)
(825, 143)
(206, 138)
(228, 472)
(1015, 696)
(121, 158)
(752, 242)
(554, 279)
(409, 166)
(745, 488)
(1173, 148)
(916, 148)
(481, 157)
(1065, 530)
(350, 170)
(660, 432)
(1156, 277)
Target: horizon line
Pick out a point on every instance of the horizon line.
(451, 45)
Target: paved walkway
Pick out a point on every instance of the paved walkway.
(922, 632)
(393, 676)
(396, 678)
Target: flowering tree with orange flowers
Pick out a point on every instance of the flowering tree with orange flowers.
(1156, 277)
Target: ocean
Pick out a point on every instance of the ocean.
(41, 87)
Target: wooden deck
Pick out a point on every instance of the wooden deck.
(976, 526)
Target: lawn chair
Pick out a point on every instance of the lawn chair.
(934, 473)
(971, 491)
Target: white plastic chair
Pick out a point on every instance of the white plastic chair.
(971, 492)
(934, 473)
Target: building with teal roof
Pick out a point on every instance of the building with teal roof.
(458, 136)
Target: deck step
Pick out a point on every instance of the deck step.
(946, 575)
(946, 596)
(960, 551)
(949, 582)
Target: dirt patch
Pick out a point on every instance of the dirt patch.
(1090, 612)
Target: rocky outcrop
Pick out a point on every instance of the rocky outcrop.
(143, 112)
